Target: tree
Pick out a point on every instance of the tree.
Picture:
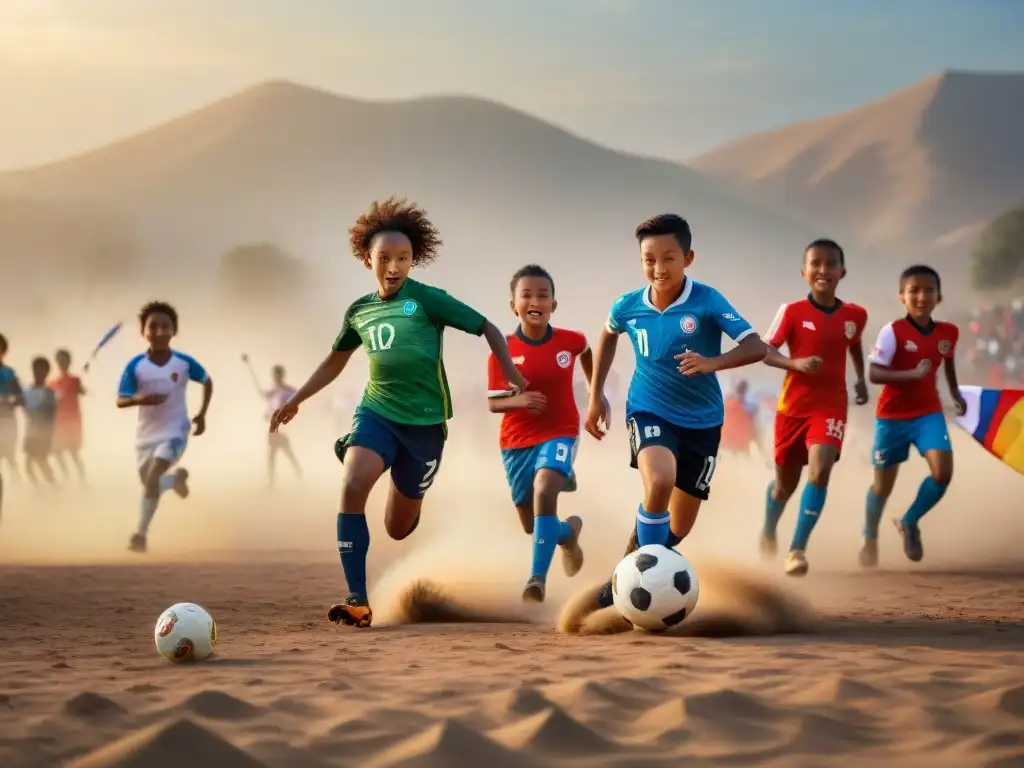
(998, 259)
(259, 270)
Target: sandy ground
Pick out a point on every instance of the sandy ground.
(923, 668)
(919, 665)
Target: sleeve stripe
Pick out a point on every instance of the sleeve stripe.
(610, 329)
(494, 393)
(744, 335)
(773, 329)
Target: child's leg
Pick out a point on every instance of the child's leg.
(363, 467)
(778, 492)
(933, 487)
(76, 457)
(821, 459)
(271, 461)
(154, 482)
(61, 464)
(878, 495)
(657, 465)
(286, 449)
(30, 472)
(46, 471)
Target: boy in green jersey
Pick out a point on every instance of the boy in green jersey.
(401, 422)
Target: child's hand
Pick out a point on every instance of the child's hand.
(519, 384)
(922, 369)
(153, 398)
(200, 422)
(810, 364)
(692, 363)
(960, 403)
(534, 402)
(861, 391)
(598, 416)
(283, 415)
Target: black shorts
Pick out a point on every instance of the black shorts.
(696, 450)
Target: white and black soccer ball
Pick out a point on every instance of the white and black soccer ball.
(185, 632)
(655, 587)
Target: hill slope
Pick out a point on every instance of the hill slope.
(922, 168)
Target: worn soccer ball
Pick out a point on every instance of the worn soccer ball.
(655, 587)
(185, 632)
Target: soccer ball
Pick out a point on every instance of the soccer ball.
(654, 587)
(185, 632)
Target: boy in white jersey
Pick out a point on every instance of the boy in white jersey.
(157, 381)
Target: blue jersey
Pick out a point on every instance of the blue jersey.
(695, 322)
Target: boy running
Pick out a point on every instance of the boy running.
(11, 396)
(540, 428)
(401, 422)
(67, 431)
(810, 421)
(40, 411)
(674, 408)
(156, 382)
(905, 360)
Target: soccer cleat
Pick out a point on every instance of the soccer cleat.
(181, 482)
(572, 555)
(534, 592)
(605, 599)
(868, 556)
(796, 563)
(769, 546)
(355, 612)
(912, 546)
(137, 543)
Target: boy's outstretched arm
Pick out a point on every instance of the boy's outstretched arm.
(496, 341)
(328, 370)
(751, 349)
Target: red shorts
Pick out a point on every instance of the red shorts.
(795, 434)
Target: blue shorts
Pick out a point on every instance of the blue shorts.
(521, 464)
(696, 450)
(893, 438)
(411, 452)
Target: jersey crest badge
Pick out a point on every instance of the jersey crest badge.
(409, 307)
(519, 360)
(944, 347)
(688, 324)
(851, 328)
(174, 376)
(564, 359)
(910, 346)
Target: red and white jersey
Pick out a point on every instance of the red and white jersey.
(547, 364)
(808, 330)
(901, 346)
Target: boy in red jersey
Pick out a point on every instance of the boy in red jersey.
(540, 427)
(905, 360)
(811, 416)
(67, 428)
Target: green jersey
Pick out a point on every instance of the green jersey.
(402, 336)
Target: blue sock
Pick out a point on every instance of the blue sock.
(147, 508)
(811, 503)
(353, 544)
(873, 507)
(772, 512)
(167, 482)
(928, 496)
(546, 533)
(564, 531)
(651, 527)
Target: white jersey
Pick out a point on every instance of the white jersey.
(169, 420)
(277, 397)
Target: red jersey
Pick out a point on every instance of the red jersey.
(68, 388)
(548, 365)
(901, 346)
(810, 330)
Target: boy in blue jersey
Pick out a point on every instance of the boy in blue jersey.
(674, 408)
(155, 382)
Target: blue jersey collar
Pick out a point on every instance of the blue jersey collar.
(687, 290)
(534, 342)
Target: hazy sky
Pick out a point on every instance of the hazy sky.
(662, 77)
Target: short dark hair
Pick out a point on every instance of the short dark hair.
(158, 308)
(921, 270)
(61, 352)
(3, 344)
(277, 369)
(531, 270)
(40, 362)
(824, 242)
(666, 224)
(396, 215)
